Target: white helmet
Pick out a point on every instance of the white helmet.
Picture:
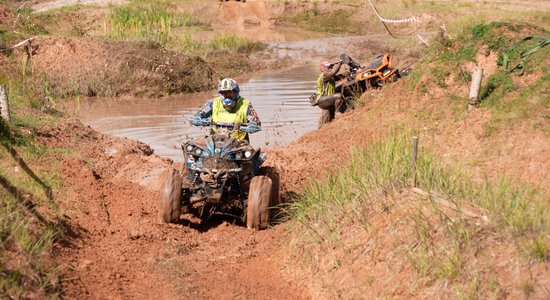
(229, 84)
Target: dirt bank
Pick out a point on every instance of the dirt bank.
(91, 67)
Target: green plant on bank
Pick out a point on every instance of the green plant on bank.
(510, 106)
(146, 21)
(26, 235)
(235, 43)
(20, 95)
(29, 24)
(189, 46)
(349, 195)
(334, 21)
(501, 91)
(475, 38)
(496, 86)
(228, 42)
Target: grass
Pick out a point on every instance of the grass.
(336, 21)
(235, 43)
(219, 42)
(505, 93)
(28, 211)
(444, 240)
(511, 105)
(154, 21)
(26, 235)
(456, 16)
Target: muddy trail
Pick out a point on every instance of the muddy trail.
(115, 246)
(118, 249)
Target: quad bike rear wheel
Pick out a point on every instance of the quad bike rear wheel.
(170, 197)
(259, 202)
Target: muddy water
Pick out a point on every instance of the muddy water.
(280, 98)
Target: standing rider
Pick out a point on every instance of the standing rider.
(228, 107)
(326, 97)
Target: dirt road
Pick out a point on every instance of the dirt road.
(117, 249)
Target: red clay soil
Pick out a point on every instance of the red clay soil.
(6, 16)
(116, 248)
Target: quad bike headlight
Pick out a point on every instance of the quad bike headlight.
(247, 154)
(198, 151)
(189, 148)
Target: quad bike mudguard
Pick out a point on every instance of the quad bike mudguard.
(360, 78)
(381, 70)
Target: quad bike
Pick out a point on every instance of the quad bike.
(352, 84)
(221, 176)
(361, 78)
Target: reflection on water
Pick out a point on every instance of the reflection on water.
(280, 98)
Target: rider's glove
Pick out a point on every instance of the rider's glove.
(251, 127)
(198, 121)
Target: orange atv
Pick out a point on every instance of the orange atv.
(361, 78)
(353, 83)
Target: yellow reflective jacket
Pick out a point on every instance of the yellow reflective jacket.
(327, 88)
(221, 115)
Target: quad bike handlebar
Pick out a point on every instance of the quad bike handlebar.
(251, 127)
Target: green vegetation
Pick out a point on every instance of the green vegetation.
(26, 234)
(28, 23)
(235, 43)
(220, 42)
(29, 215)
(503, 91)
(337, 21)
(444, 238)
(151, 22)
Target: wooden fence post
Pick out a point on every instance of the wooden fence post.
(4, 108)
(415, 154)
(473, 98)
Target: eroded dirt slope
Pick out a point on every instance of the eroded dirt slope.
(116, 248)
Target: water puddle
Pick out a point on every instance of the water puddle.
(280, 98)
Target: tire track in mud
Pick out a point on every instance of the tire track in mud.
(117, 248)
(120, 250)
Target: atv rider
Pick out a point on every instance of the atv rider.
(327, 97)
(228, 107)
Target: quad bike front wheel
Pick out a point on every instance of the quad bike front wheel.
(170, 197)
(259, 202)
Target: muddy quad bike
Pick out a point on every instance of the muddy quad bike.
(359, 79)
(221, 176)
(353, 83)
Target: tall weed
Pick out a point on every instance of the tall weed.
(152, 21)
(348, 196)
(235, 43)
